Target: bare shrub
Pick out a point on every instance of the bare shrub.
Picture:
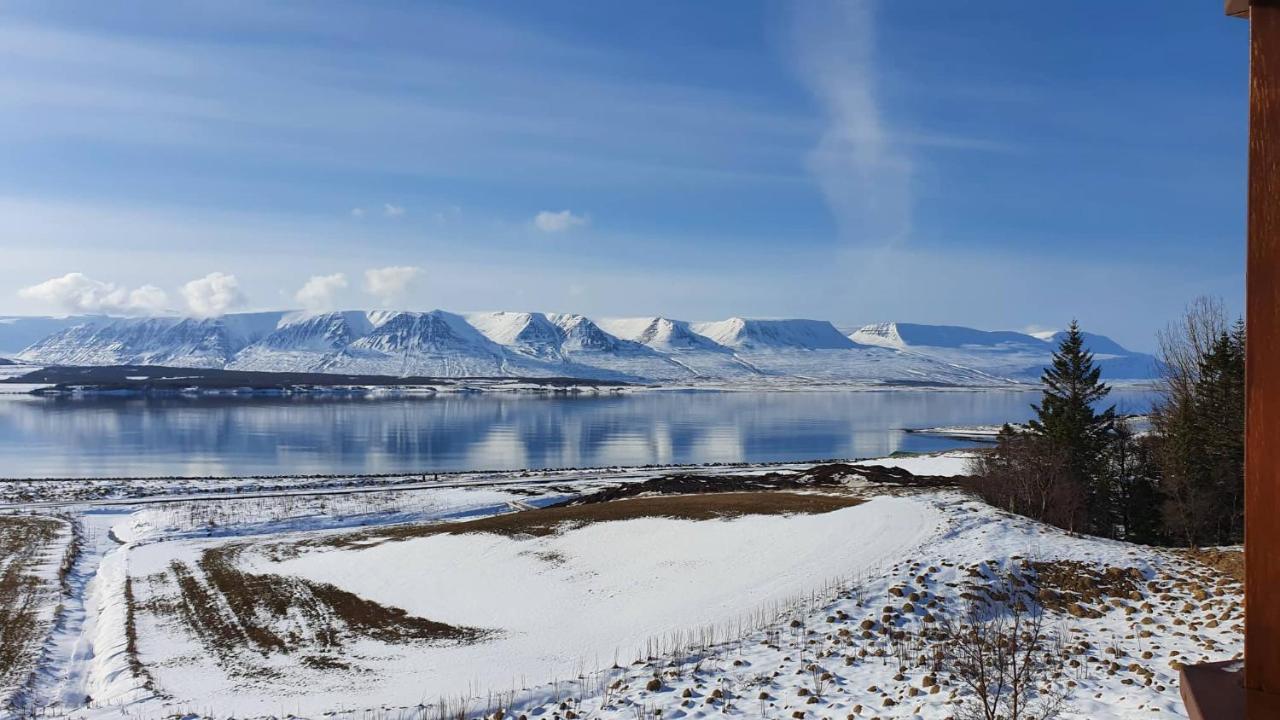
(1000, 651)
(1027, 475)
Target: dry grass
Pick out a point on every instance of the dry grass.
(25, 543)
(547, 521)
(234, 612)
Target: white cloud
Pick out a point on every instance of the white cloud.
(1040, 331)
(389, 283)
(75, 292)
(357, 213)
(548, 221)
(864, 174)
(392, 210)
(214, 294)
(318, 292)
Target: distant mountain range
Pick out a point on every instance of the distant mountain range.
(534, 345)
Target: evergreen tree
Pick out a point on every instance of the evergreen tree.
(1131, 474)
(1219, 400)
(1198, 443)
(1066, 418)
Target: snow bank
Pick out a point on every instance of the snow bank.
(949, 464)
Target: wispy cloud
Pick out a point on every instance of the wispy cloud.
(320, 291)
(553, 222)
(864, 174)
(76, 293)
(213, 294)
(392, 211)
(389, 284)
(290, 104)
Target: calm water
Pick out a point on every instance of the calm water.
(226, 436)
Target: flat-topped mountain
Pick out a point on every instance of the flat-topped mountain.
(1011, 354)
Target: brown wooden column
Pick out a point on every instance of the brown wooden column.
(1223, 690)
(1262, 359)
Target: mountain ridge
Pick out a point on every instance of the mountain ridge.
(655, 350)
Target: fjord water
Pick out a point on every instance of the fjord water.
(204, 436)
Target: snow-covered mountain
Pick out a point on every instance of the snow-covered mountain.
(575, 346)
(698, 354)
(529, 334)
(19, 332)
(772, 335)
(302, 342)
(172, 341)
(436, 343)
(1014, 355)
(525, 344)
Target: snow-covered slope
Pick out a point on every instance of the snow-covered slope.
(433, 343)
(662, 334)
(302, 342)
(815, 351)
(1114, 359)
(1006, 354)
(524, 344)
(905, 335)
(172, 341)
(574, 346)
(764, 335)
(699, 354)
(530, 334)
(18, 332)
(586, 344)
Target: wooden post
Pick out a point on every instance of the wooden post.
(1262, 357)
(1222, 690)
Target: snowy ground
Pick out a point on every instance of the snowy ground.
(808, 615)
(35, 556)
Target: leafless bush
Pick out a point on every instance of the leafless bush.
(1026, 475)
(1000, 650)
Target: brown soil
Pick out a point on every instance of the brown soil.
(1081, 589)
(546, 521)
(1227, 562)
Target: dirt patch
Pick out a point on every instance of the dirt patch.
(234, 612)
(550, 520)
(1227, 562)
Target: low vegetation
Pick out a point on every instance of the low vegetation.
(29, 587)
(1082, 468)
(549, 520)
(238, 615)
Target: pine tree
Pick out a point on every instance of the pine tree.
(1194, 421)
(1219, 401)
(1066, 418)
(1131, 475)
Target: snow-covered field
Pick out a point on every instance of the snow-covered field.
(451, 602)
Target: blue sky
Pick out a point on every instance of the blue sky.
(1003, 165)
